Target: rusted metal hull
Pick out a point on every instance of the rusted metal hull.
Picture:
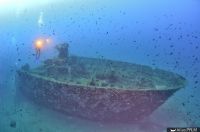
(100, 104)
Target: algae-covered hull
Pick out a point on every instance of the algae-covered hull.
(92, 103)
(98, 89)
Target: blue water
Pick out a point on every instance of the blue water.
(161, 34)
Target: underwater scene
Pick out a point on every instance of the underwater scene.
(99, 66)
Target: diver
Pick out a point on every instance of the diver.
(38, 51)
(39, 44)
(38, 47)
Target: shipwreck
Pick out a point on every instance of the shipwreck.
(96, 88)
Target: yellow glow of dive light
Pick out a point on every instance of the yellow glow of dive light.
(40, 43)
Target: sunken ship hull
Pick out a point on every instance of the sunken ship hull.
(92, 103)
(97, 89)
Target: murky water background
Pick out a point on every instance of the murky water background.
(163, 34)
